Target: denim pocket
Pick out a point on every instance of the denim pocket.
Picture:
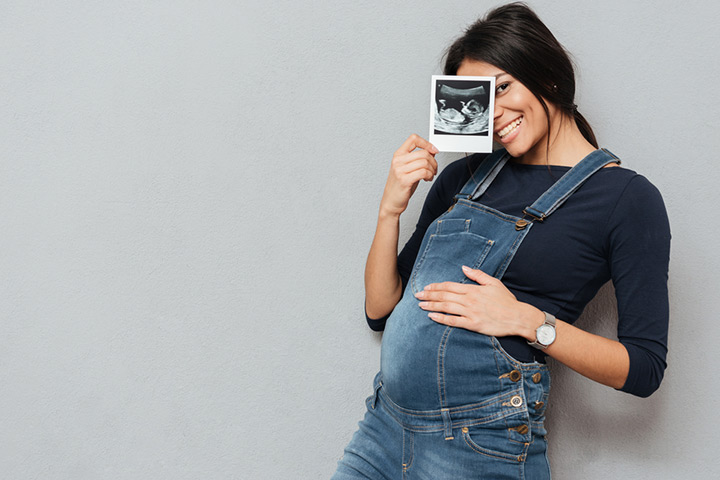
(445, 254)
(494, 443)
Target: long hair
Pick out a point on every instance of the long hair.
(514, 39)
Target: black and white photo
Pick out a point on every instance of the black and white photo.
(461, 113)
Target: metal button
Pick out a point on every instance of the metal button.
(521, 224)
(537, 377)
(464, 429)
(522, 429)
(516, 400)
(515, 376)
(539, 405)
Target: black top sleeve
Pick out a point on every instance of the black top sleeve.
(638, 242)
(440, 197)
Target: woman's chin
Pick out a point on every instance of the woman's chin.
(513, 148)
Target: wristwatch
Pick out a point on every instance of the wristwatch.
(545, 333)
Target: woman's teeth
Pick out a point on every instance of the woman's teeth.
(509, 129)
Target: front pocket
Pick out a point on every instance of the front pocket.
(494, 443)
(444, 256)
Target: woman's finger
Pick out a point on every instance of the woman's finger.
(478, 276)
(412, 157)
(441, 296)
(417, 175)
(416, 141)
(451, 308)
(454, 287)
(415, 165)
(452, 320)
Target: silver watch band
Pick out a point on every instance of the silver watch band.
(550, 321)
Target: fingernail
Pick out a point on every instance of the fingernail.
(433, 315)
(419, 294)
(423, 304)
(466, 268)
(433, 148)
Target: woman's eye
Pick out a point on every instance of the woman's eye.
(500, 88)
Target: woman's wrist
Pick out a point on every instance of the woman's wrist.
(532, 318)
(387, 215)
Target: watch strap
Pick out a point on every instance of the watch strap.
(549, 320)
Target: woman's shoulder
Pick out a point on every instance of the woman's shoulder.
(627, 184)
(624, 201)
(637, 204)
(618, 180)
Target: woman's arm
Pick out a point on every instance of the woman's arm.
(490, 308)
(412, 162)
(383, 286)
(598, 358)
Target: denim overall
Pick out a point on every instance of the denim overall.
(448, 402)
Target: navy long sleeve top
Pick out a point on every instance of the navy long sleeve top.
(614, 227)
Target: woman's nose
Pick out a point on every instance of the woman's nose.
(497, 111)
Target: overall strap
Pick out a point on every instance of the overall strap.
(483, 175)
(568, 183)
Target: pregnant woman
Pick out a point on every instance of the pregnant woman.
(508, 250)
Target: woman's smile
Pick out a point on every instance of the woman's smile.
(508, 132)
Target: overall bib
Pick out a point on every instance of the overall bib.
(448, 402)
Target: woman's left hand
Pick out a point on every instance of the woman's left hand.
(488, 307)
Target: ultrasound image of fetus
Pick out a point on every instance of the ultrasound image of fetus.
(461, 111)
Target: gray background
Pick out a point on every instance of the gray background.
(188, 190)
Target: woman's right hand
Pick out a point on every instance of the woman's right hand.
(412, 162)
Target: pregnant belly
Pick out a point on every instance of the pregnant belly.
(427, 366)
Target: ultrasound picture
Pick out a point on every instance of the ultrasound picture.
(462, 108)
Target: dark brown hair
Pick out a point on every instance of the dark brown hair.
(514, 39)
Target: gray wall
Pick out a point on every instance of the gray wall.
(188, 190)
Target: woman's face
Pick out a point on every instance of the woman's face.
(520, 121)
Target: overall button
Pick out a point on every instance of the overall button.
(521, 429)
(539, 405)
(516, 401)
(537, 377)
(515, 376)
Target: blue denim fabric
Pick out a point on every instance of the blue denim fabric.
(448, 402)
(502, 437)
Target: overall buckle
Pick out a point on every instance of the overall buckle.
(522, 223)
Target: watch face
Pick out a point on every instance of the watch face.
(545, 334)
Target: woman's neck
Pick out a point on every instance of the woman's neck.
(567, 145)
